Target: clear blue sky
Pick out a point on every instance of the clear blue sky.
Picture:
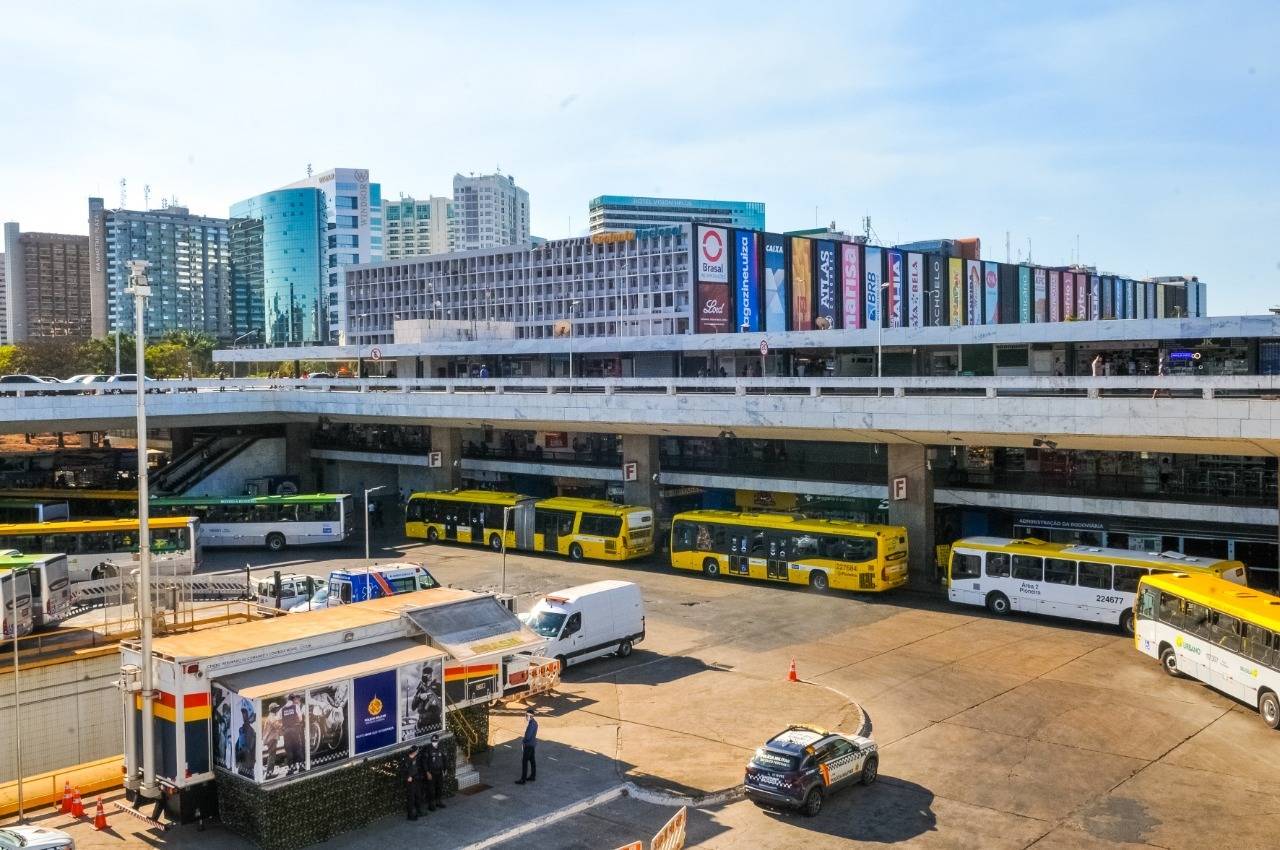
(1147, 130)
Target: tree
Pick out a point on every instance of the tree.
(98, 356)
(56, 356)
(168, 360)
(7, 355)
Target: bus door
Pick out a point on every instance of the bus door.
(776, 548)
(740, 553)
(477, 525)
(522, 519)
(451, 522)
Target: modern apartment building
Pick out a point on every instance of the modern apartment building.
(416, 228)
(4, 312)
(490, 211)
(588, 286)
(190, 271)
(624, 212)
(353, 210)
(46, 285)
(279, 266)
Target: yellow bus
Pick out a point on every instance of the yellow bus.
(578, 528)
(791, 548)
(96, 548)
(1216, 631)
(1063, 580)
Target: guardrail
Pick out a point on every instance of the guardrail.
(45, 789)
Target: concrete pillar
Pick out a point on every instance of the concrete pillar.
(297, 455)
(447, 441)
(642, 450)
(181, 440)
(915, 512)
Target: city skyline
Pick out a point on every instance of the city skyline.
(1156, 159)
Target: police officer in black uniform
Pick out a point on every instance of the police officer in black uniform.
(411, 781)
(433, 767)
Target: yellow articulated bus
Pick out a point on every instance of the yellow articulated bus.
(578, 528)
(822, 553)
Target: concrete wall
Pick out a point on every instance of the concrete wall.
(264, 457)
(71, 713)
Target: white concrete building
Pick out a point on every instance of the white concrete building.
(490, 211)
(416, 228)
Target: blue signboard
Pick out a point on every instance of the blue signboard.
(826, 309)
(776, 296)
(871, 288)
(375, 711)
(1024, 295)
(746, 281)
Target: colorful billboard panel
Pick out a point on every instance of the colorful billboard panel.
(1055, 296)
(375, 711)
(1068, 295)
(801, 284)
(1130, 299)
(896, 297)
(1095, 297)
(1041, 295)
(226, 727)
(871, 288)
(937, 289)
(776, 296)
(1024, 295)
(747, 277)
(955, 290)
(915, 290)
(1082, 296)
(991, 293)
(851, 277)
(826, 312)
(973, 292)
(329, 740)
(421, 699)
(713, 308)
(284, 735)
(713, 254)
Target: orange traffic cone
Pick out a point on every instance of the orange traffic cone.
(65, 808)
(77, 805)
(100, 819)
(791, 674)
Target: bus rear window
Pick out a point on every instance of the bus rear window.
(600, 525)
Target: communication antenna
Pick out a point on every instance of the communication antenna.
(1077, 249)
(1028, 249)
(146, 196)
(308, 170)
(1008, 254)
(124, 192)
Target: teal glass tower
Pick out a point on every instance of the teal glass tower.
(278, 267)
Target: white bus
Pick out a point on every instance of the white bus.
(15, 600)
(1079, 582)
(271, 521)
(100, 548)
(1217, 632)
(50, 584)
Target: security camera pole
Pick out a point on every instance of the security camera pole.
(141, 288)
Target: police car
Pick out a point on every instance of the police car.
(800, 766)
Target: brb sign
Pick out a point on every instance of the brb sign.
(713, 255)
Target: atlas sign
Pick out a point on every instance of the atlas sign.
(713, 255)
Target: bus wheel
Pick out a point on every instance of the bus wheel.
(495, 542)
(997, 603)
(575, 552)
(819, 581)
(432, 535)
(1169, 661)
(711, 567)
(275, 541)
(1269, 708)
(1126, 623)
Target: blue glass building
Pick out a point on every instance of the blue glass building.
(626, 212)
(278, 260)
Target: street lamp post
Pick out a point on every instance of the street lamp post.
(506, 519)
(366, 532)
(884, 287)
(573, 308)
(244, 335)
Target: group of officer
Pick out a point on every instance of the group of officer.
(422, 774)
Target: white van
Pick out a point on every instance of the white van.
(293, 590)
(590, 620)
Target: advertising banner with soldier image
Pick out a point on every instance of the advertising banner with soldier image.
(327, 732)
(284, 735)
(244, 717)
(224, 729)
(421, 699)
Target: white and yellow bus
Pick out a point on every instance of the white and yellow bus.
(1218, 632)
(790, 548)
(96, 548)
(577, 528)
(1061, 580)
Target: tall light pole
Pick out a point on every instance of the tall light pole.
(573, 308)
(17, 692)
(141, 289)
(366, 533)
(245, 335)
(880, 319)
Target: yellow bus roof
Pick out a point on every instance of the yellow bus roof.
(72, 526)
(600, 506)
(790, 522)
(1245, 603)
(1095, 554)
(484, 497)
(498, 497)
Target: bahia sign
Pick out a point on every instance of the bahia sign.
(713, 255)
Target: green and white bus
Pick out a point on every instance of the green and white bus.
(271, 521)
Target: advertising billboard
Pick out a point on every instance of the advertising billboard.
(1082, 296)
(973, 292)
(935, 316)
(226, 727)
(284, 735)
(1095, 297)
(712, 314)
(1024, 295)
(747, 275)
(955, 289)
(826, 313)
(328, 739)
(895, 297)
(1068, 295)
(776, 296)
(421, 699)
(872, 267)
(915, 290)
(1055, 296)
(991, 293)
(1108, 289)
(713, 254)
(1130, 299)
(801, 284)
(851, 290)
(1140, 309)
(375, 704)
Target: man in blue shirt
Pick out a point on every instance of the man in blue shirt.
(528, 765)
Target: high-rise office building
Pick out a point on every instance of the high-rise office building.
(353, 207)
(490, 211)
(190, 274)
(414, 228)
(278, 262)
(46, 285)
(624, 212)
(4, 312)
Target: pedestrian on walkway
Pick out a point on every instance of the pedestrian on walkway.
(528, 764)
(409, 771)
(433, 767)
(1097, 366)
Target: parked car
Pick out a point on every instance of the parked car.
(797, 768)
(122, 383)
(18, 837)
(589, 621)
(22, 382)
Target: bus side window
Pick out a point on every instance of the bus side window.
(1126, 578)
(1225, 630)
(1097, 576)
(1170, 607)
(1028, 568)
(684, 537)
(1259, 644)
(997, 565)
(1059, 571)
(965, 566)
(1146, 602)
(1196, 621)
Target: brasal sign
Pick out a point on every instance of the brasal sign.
(713, 255)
